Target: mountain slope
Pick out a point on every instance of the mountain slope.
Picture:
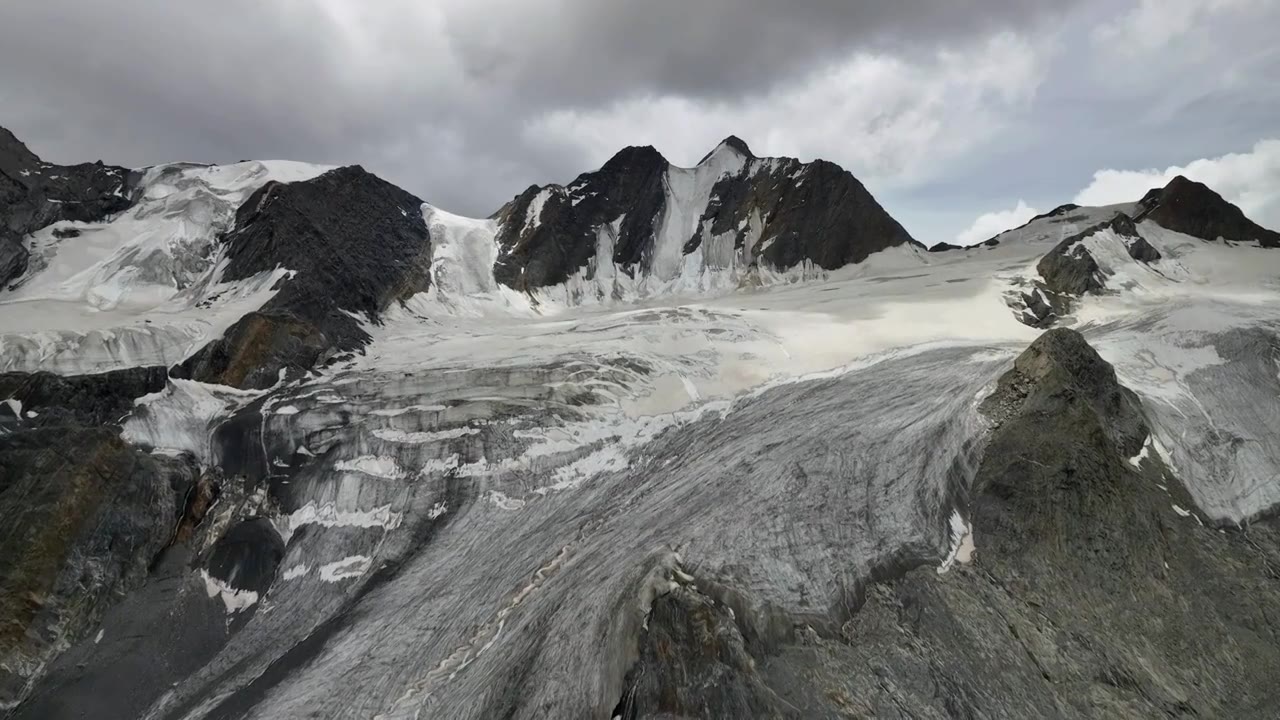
(711, 442)
(34, 194)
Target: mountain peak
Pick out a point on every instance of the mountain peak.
(732, 143)
(15, 156)
(1193, 208)
(635, 156)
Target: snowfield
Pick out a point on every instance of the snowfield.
(144, 287)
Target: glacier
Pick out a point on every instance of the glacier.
(537, 501)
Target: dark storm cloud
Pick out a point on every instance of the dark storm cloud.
(589, 51)
(432, 95)
(465, 102)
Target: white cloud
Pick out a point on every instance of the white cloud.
(1250, 180)
(988, 225)
(1153, 24)
(889, 120)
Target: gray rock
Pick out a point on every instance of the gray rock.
(84, 515)
(1069, 270)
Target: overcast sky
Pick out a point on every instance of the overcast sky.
(961, 116)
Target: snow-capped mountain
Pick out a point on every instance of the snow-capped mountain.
(282, 440)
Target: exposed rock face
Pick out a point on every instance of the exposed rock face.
(1194, 209)
(84, 515)
(549, 233)
(1082, 559)
(34, 194)
(1142, 251)
(140, 653)
(774, 212)
(48, 399)
(1070, 270)
(695, 662)
(355, 242)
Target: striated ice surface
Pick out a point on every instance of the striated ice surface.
(496, 469)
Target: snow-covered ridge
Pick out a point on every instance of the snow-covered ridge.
(143, 287)
(465, 250)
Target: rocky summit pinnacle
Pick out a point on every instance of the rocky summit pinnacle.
(734, 143)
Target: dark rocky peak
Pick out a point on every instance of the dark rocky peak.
(1062, 359)
(549, 233)
(347, 228)
(734, 143)
(355, 243)
(15, 157)
(1193, 208)
(779, 212)
(633, 158)
(1060, 210)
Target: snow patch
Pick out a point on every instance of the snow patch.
(345, 569)
(962, 547)
(402, 436)
(376, 465)
(180, 417)
(233, 599)
(329, 515)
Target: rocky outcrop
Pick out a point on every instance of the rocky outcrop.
(1070, 270)
(946, 246)
(44, 399)
(696, 662)
(808, 212)
(355, 244)
(773, 212)
(35, 194)
(1094, 591)
(1142, 251)
(1194, 209)
(84, 516)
